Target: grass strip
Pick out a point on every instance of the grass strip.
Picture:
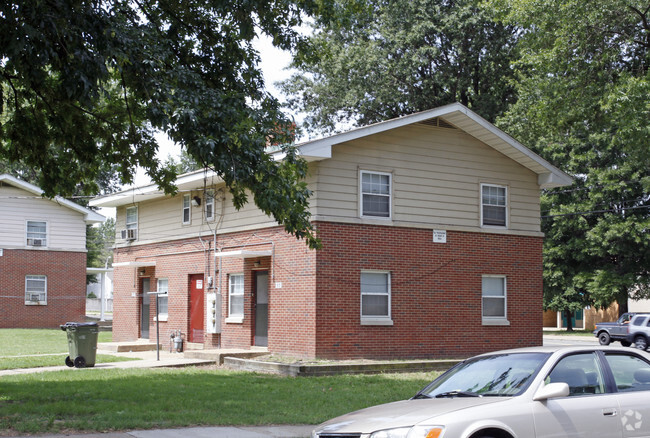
(112, 400)
(17, 362)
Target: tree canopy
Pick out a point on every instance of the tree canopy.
(582, 91)
(87, 83)
(376, 60)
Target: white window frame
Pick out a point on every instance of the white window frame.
(28, 293)
(29, 240)
(162, 285)
(505, 206)
(389, 195)
(209, 201)
(133, 225)
(238, 288)
(375, 319)
(495, 320)
(186, 205)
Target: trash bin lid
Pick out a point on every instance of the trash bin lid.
(79, 324)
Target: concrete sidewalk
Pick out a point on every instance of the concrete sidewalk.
(205, 432)
(143, 359)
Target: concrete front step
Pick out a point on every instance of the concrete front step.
(125, 347)
(218, 355)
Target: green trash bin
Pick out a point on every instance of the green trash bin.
(82, 343)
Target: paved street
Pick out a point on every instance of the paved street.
(565, 340)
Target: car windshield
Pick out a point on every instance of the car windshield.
(501, 375)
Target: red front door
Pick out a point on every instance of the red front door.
(197, 308)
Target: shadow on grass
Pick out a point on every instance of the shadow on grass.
(108, 400)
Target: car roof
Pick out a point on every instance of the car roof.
(558, 349)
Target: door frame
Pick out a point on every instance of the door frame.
(190, 332)
(254, 340)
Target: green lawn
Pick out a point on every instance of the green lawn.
(32, 348)
(104, 400)
(108, 400)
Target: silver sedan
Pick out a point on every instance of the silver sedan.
(525, 393)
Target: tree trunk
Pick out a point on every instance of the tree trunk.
(569, 325)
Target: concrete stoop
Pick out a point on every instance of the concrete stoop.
(126, 347)
(219, 355)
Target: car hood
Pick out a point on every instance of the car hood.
(401, 414)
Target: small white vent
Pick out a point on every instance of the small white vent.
(438, 123)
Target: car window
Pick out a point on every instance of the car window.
(581, 372)
(638, 321)
(499, 375)
(631, 373)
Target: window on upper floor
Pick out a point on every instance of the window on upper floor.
(375, 298)
(131, 218)
(209, 205)
(131, 231)
(187, 207)
(494, 206)
(36, 233)
(375, 188)
(494, 300)
(35, 290)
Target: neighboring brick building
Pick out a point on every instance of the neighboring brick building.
(42, 257)
(432, 247)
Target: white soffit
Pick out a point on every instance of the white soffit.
(244, 254)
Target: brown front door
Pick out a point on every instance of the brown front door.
(261, 308)
(197, 308)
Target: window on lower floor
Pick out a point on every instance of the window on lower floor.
(36, 289)
(163, 299)
(494, 299)
(375, 297)
(236, 295)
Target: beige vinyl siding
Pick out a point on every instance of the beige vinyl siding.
(161, 219)
(436, 177)
(66, 229)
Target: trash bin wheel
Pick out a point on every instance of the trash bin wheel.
(79, 362)
(69, 362)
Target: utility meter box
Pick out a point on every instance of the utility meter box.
(213, 313)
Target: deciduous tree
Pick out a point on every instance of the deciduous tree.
(88, 82)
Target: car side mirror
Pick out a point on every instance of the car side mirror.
(552, 390)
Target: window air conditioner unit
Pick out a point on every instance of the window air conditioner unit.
(130, 234)
(35, 242)
(35, 297)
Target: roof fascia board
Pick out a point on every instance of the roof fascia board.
(137, 194)
(89, 215)
(322, 148)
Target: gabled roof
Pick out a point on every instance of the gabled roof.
(461, 117)
(89, 215)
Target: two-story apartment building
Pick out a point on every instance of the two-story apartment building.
(42, 257)
(431, 237)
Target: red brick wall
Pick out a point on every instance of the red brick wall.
(66, 288)
(436, 292)
(289, 305)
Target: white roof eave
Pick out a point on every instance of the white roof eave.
(90, 216)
